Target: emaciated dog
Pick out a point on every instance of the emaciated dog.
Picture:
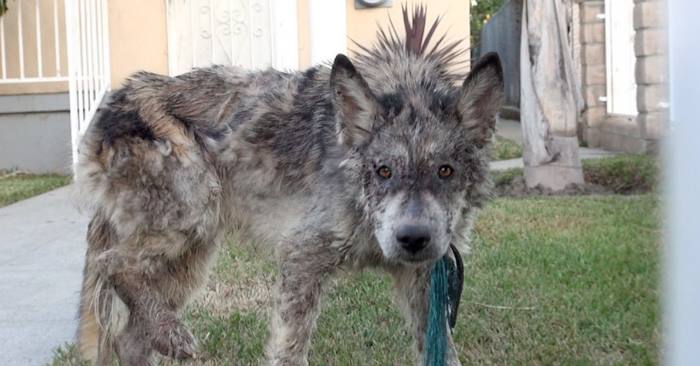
(381, 162)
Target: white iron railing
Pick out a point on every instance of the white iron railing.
(79, 54)
(88, 62)
(39, 64)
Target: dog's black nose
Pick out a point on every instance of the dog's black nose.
(413, 238)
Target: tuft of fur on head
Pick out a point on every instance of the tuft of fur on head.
(443, 57)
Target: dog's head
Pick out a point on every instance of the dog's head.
(418, 152)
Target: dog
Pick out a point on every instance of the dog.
(377, 163)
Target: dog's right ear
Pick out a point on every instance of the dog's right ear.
(356, 107)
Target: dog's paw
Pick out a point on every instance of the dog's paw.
(171, 338)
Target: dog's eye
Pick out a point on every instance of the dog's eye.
(384, 172)
(445, 171)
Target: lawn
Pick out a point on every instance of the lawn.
(16, 187)
(553, 280)
(505, 149)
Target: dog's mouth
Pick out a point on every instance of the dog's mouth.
(430, 254)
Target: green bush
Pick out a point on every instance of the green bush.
(481, 12)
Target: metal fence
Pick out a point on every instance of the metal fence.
(47, 41)
(18, 67)
(88, 54)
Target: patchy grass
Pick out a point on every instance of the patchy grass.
(16, 187)
(552, 280)
(68, 355)
(622, 174)
(505, 149)
(506, 177)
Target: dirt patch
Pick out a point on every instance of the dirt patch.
(246, 295)
(518, 188)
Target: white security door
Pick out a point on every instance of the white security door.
(620, 63)
(249, 33)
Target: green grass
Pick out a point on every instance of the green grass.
(579, 276)
(623, 173)
(17, 187)
(505, 149)
(620, 174)
(555, 280)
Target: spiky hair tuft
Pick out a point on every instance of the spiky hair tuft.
(415, 42)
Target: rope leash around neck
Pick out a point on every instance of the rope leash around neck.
(446, 280)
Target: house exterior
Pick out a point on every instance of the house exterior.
(60, 58)
(624, 73)
(619, 51)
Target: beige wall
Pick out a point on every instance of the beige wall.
(138, 38)
(362, 23)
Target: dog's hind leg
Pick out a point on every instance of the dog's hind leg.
(101, 313)
(304, 266)
(411, 286)
(153, 322)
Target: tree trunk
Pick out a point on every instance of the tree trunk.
(550, 100)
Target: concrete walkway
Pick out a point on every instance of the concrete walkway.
(510, 129)
(42, 244)
(584, 152)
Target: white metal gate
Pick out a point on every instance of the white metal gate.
(34, 55)
(45, 41)
(87, 37)
(247, 33)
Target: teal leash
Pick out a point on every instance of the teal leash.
(446, 280)
(436, 334)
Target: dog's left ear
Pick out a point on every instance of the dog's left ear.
(481, 98)
(355, 104)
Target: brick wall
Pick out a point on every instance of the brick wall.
(650, 47)
(592, 69)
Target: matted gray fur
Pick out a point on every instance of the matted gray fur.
(378, 163)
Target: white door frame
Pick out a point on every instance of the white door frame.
(327, 30)
(285, 35)
(620, 58)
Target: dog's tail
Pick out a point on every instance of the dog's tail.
(101, 314)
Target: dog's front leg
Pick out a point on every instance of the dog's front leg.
(411, 286)
(304, 265)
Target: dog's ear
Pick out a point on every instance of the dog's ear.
(355, 105)
(481, 97)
